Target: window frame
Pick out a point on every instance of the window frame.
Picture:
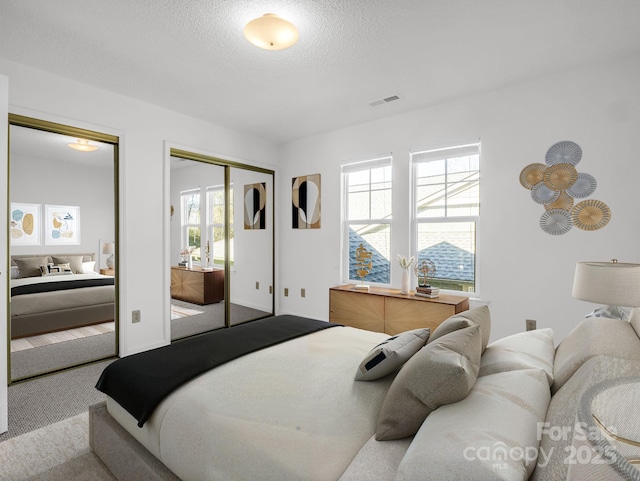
(353, 167)
(184, 226)
(435, 154)
(210, 227)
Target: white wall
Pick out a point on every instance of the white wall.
(37, 181)
(522, 271)
(144, 131)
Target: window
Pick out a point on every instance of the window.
(367, 218)
(446, 213)
(215, 223)
(191, 222)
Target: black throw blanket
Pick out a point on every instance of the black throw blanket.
(61, 285)
(140, 382)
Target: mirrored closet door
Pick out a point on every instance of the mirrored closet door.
(252, 267)
(62, 231)
(221, 244)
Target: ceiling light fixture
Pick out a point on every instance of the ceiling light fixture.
(271, 32)
(83, 146)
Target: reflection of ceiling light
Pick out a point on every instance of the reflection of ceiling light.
(271, 32)
(83, 146)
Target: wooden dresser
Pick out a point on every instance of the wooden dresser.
(386, 310)
(197, 285)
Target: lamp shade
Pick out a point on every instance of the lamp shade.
(271, 32)
(611, 283)
(108, 248)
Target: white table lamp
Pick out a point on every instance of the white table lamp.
(616, 284)
(109, 248)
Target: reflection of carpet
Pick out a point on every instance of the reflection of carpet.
(180, 311)
(61, 336)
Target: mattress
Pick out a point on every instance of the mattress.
(288, 412)
(26, 304)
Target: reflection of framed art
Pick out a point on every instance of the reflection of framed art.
(305, 202)
(255, 206)
(24, 224)
(62, 225)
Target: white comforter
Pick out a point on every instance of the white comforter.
(289, 412)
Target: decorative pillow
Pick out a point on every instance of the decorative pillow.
(491, 435)
(525, 350)
(15, 272)
(64, 267)
(479, 316)
(594, 336)
(452, 324)
(389, 355)
(74, 261)
(89, 267)
(59, 273)
(440, 373)
(30, 266)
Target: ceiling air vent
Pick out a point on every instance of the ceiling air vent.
(386, 100)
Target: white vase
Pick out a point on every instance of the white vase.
(189, 262)
(405, 282)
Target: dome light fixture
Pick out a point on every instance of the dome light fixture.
(83, 146)
(271, 32)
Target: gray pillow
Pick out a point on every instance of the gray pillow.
(440, 373)
(390, 355)
(75, 262)
(30, 266)
(479, 316)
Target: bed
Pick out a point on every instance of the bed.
(286, 411)
(59, 300)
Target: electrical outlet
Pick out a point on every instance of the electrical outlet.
(135, 316)
(531, 325)
(303, 292)
(286, 292)
(257, 285)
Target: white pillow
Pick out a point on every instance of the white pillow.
(89, 267)
(490, 435)
(390, 355)
(524, 350)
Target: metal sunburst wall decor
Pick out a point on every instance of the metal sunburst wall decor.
(557, 184)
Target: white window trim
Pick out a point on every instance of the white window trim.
(347, 168)
(436, 154)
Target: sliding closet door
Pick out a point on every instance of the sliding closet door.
(4, 264)
(197, 250)
(63, 217)
(251, 259)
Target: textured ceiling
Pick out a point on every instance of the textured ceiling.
(190, 55)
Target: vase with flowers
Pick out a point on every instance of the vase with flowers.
(185, 256)
(405, 263)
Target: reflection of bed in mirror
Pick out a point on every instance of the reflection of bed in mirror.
(47, 298)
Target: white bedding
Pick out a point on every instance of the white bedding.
(289, 412)
(56, 300)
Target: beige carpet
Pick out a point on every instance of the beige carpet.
(61, 336)
(58, 452)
